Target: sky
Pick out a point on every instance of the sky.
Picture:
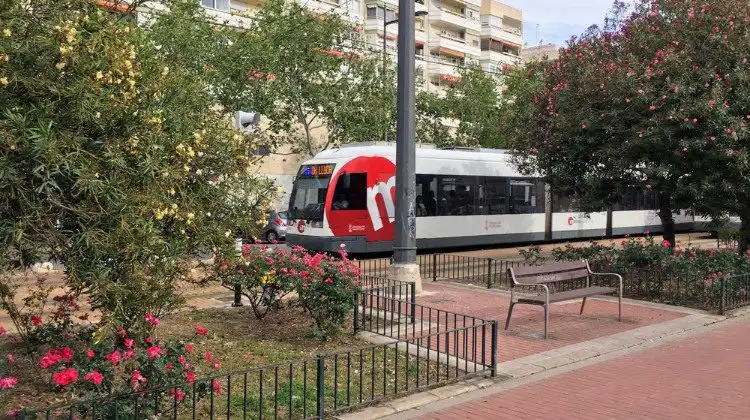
(559, 19)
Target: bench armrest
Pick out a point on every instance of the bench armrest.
(619, 277)
(541, 285)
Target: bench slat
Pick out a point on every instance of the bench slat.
(552, 277)
(569, 295)
(549, 268)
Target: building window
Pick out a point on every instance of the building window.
(216, 4)
(372, 12)
(455, 195)
(526, 196)
(475, 43)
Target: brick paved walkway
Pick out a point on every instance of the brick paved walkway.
(566, 326)
(700, 377)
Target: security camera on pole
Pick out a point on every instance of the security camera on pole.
(405, 267)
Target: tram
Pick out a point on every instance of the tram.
(464, 197)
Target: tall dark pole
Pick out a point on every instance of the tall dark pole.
(405, 244)
(382, 79)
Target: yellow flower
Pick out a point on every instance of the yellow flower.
(228, 233)
(7, 33)
(61, 65)
(99, 75)
(4, 57)
(4, 81)
(174, 206)
(165, 71)
(171, 191)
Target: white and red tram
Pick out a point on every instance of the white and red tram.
(465, 197)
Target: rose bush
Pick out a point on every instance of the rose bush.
(325, 285)
(656, 271)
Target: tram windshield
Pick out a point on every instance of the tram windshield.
(309, 192)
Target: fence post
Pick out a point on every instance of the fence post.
(493, 349)
(434, 267)
(356, 311)
(413, 302)
(723, 306)
(237, 296)
(489, 273)
(321, 386)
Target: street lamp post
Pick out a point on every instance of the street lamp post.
(387, 22)
(404, 267)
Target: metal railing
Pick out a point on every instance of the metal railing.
(458, 338)
(312, 388)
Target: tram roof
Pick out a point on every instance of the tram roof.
(422, 151)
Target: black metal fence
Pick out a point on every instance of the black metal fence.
(684, 288)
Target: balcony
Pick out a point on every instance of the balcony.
(393, 4)
(491, 59)
(436, 67)
(448, 17)
(453, 44)
(510, 35)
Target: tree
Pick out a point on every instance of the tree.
(310, 76)
(115, 158)
(475, 103)
(621, 110)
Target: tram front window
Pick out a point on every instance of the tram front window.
(308, 199)
(309, 192)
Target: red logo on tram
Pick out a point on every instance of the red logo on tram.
(301, 226)
(372, 217)
(571, 219)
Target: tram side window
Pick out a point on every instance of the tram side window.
(496, 195)
(456, 195)
(350, 192)
(526, 196)
(427, 204)
(562, 203)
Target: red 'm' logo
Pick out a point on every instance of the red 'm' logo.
(371, 219)
(301, 226)
(571, 219)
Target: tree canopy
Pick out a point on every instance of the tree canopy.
(655, 101)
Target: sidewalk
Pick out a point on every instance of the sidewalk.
(702, 375)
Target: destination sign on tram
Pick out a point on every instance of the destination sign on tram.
(317, 171)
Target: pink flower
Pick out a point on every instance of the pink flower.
(217, 365)
(181, 360)
(129, 354)
(149, 340)
(199, 330)
(151, 319)
(712, 103)
(208, 356)
(666, 244)
(35, 320)
(94, 377)
(217, 386)
(177, 393)
(8, 383)
(136, 379)
(328, 281)
(66, 353)
(3, 331)
(90, 353)
(169, 366)
(153, 352)
(10, 358)
(121, 332)
(65, 377)
(708, 282)
(648, 186)
(114, 358)
(652, 108)
(188, 348)
(129, 343)
(583, 126)
(190, 377)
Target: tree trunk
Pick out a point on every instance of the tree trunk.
(744, 234)
(667, 218)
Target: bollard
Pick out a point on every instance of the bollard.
(493, 349)
(489, 273)
(321, 386)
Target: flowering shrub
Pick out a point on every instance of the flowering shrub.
(7, 381)
(122, 362)
(654, 270)
(328, 294)
(325, 285)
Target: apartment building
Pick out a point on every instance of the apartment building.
(450, 34)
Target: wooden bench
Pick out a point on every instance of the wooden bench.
(547, 276)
